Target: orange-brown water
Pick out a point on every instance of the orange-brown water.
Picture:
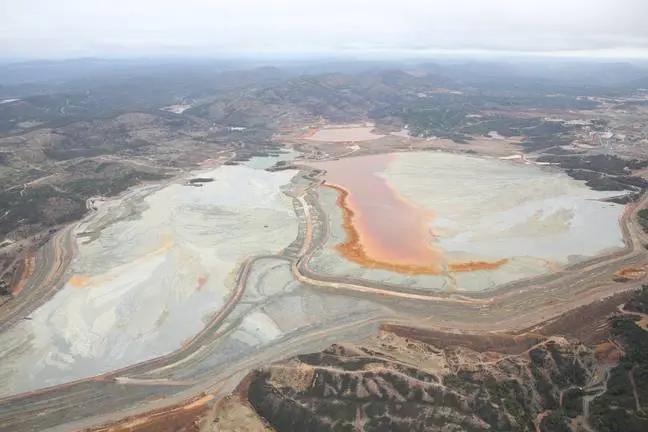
(385, 230)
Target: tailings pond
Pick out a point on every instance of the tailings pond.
(151, 268)
(444, 221)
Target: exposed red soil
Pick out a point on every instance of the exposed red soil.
(629, 274)
(28, 267)
(177, 418)
(590, 323)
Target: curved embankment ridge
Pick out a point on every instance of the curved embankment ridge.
(384, 229)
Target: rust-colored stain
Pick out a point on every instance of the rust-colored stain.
(354, 250)
(199, 402)
(201, 282)
(184, 417)
(476, 265)
(607, 353)
(29, 265)
(383, 229)
(309, 133)
(629, 274)
(79, 281)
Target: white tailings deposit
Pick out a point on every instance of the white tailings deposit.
(151, 268)
(493, 208)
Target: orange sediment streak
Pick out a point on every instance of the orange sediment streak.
(29, 265)
(201, 282)
(79, 281)
(384, 229)
(476, 265)
(353, 249)
(309, 133)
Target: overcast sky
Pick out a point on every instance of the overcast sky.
(69, 28)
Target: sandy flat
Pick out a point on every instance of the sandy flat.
(497, 208)
(176, 109)
(351, 134)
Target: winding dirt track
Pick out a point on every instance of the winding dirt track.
(127, 391)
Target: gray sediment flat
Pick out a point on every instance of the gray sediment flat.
(486, 210)
(162, 262)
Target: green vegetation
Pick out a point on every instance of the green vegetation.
(40, 207)
(572, 402)
(450, 116)
(88, 187)
(33, 209)
(553, 421)
(504, 125)
(618, 409)
(546, 134)
(642, 217)
(201, 180)
(80, 142)
(639, 302)
(4, 288)
(441, 122)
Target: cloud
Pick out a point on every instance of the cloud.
(193, 27)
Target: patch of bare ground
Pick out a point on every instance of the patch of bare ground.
(589, 324)
(608, 353)
(299, 378)
(628, 274)
(232, 414)
(495, 342)
(480, 145)
(11, 277)
(343, 134)
(188, 417)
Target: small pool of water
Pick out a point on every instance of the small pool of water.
(264, 162)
